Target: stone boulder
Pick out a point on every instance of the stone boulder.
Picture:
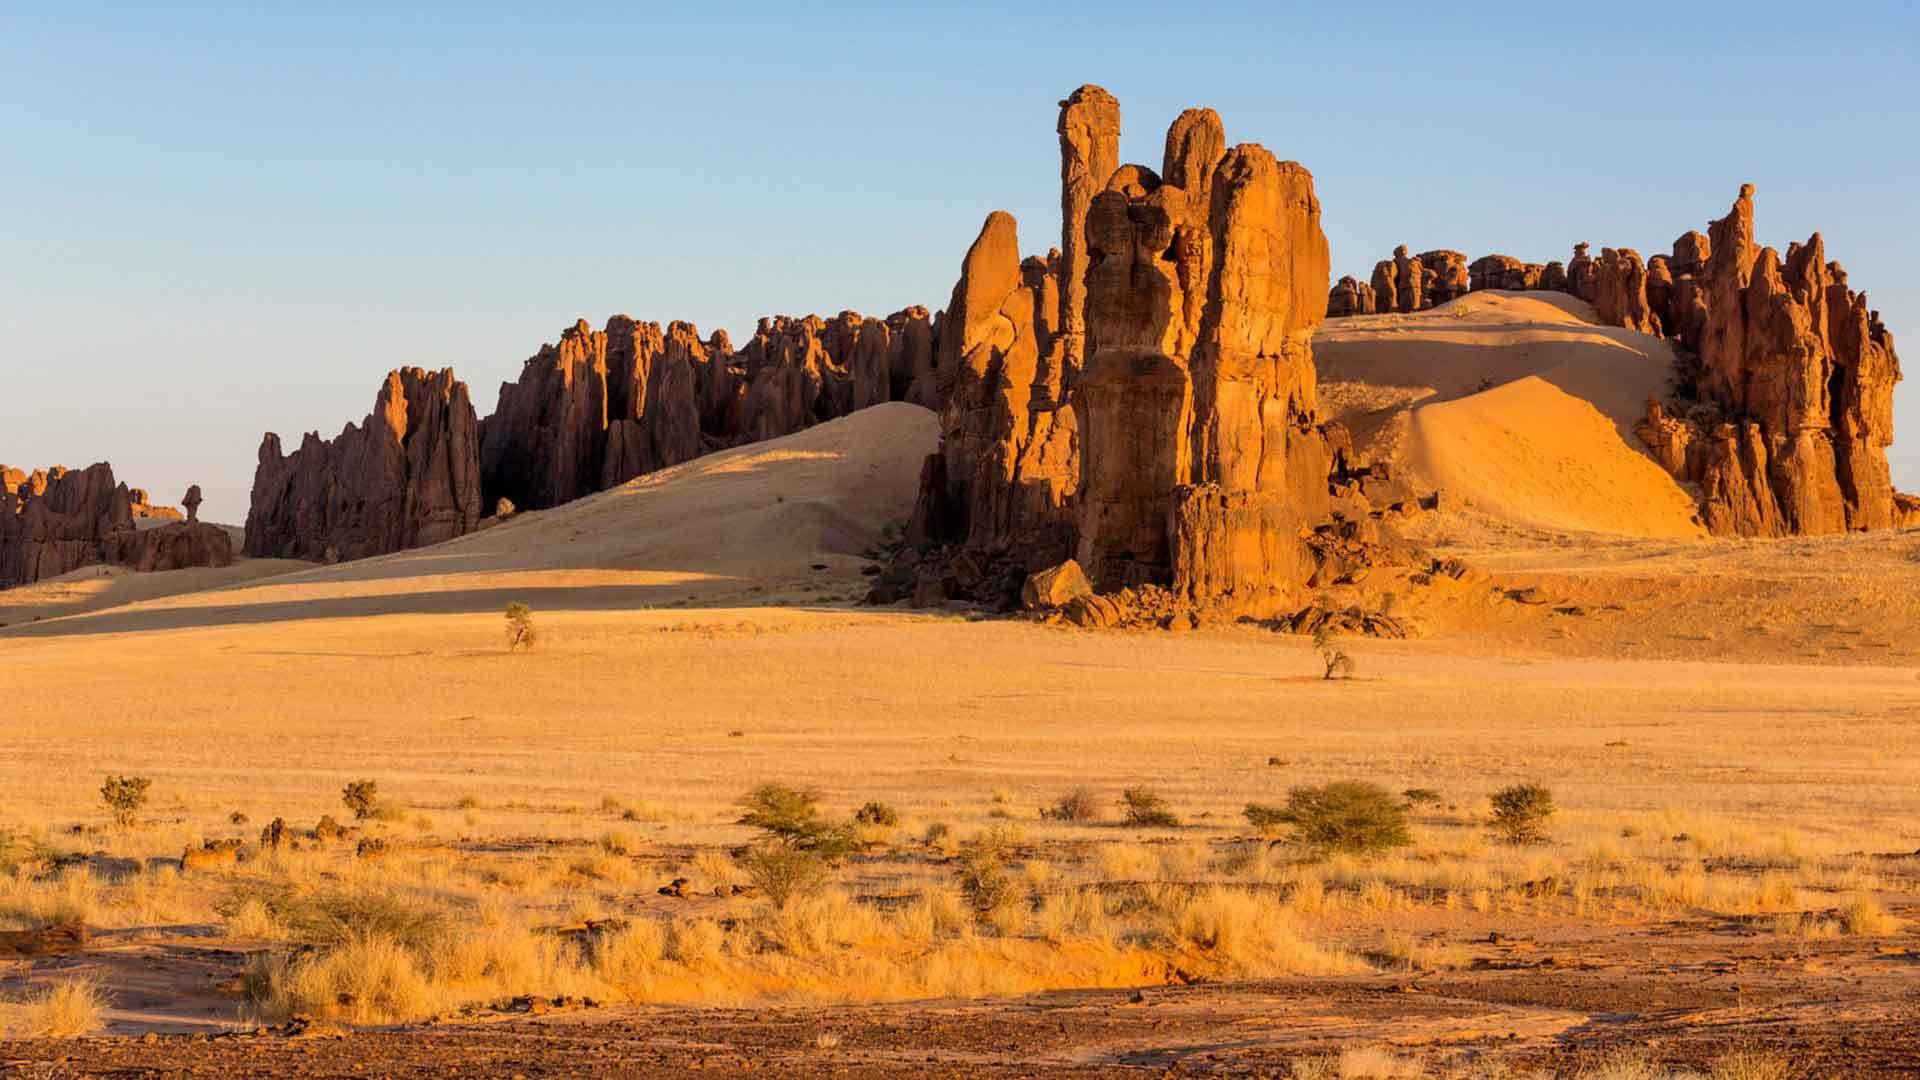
(1056, 586)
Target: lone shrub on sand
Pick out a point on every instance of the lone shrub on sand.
(1520, 813)
(877, 814)
(124, 796)
(797, 848)
(1076, 805)
(362, 797)
(982, 870)
(1338, 664)
(519, 626)
(1146, 809)
(1347, 815)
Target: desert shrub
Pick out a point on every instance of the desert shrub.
(797, 849)
(124, 796)
(1076, 805)
(783, 873)
(1520, 813)
(1420, 796)
(1338, 664)
(1347, 815)
(981, 867)
(877, 814)
(519, 626)
(1146, 809)
(1266, 817)
(362, 797)
(333, 917)
(791, 816)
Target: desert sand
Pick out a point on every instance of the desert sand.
(1727, 727)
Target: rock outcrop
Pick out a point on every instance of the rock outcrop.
(1186, 464)
(56, 521)
(600, 407)
(1783, 377)
(407, 475)
(1783, 417)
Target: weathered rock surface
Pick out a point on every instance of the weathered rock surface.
(1620, 291)
(408, 475)
(59, 520)
(1350, 296)
(1784, 415)
(173, 546)
(1197, 462)
(1089, 131)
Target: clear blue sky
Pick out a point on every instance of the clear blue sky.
(219, 222)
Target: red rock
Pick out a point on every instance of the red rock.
(1089, 130)
(408, 475)
(1794, 384)
(1350, 297)
(1620, 291)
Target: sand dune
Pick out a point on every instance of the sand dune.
(773, 522)
(1517, 402)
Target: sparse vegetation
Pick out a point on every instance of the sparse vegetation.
(124, 796)
(63, 1009)
(1520, 813)
(520, 632)
(1078, 805)
(877, 814)
(1422, 797)
(1147, 810)
(1347, 816)
(1338, 665)
(982, 871)
(362, 797)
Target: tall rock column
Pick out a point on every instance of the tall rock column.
(1201, 456)
(1089, 130)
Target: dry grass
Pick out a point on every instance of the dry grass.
(63, 1009)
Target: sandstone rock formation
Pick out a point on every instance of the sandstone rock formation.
(1783, 376)
(1089, 131)
(1784, 416)
(1350, 297)
(1620, 291)
(191, 501)
(408, 475)
(600, 407)
(56, 521)
(1186, 464)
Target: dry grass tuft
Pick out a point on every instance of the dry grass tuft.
(65, 1009)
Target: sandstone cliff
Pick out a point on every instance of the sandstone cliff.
(59, 520)
(407, 475)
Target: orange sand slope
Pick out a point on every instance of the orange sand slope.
(1517, 402)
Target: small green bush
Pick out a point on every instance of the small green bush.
(124, 796)
(1145, 809)
(1520, 813)
(791, 816)
(1347, 815)
(877, 813)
